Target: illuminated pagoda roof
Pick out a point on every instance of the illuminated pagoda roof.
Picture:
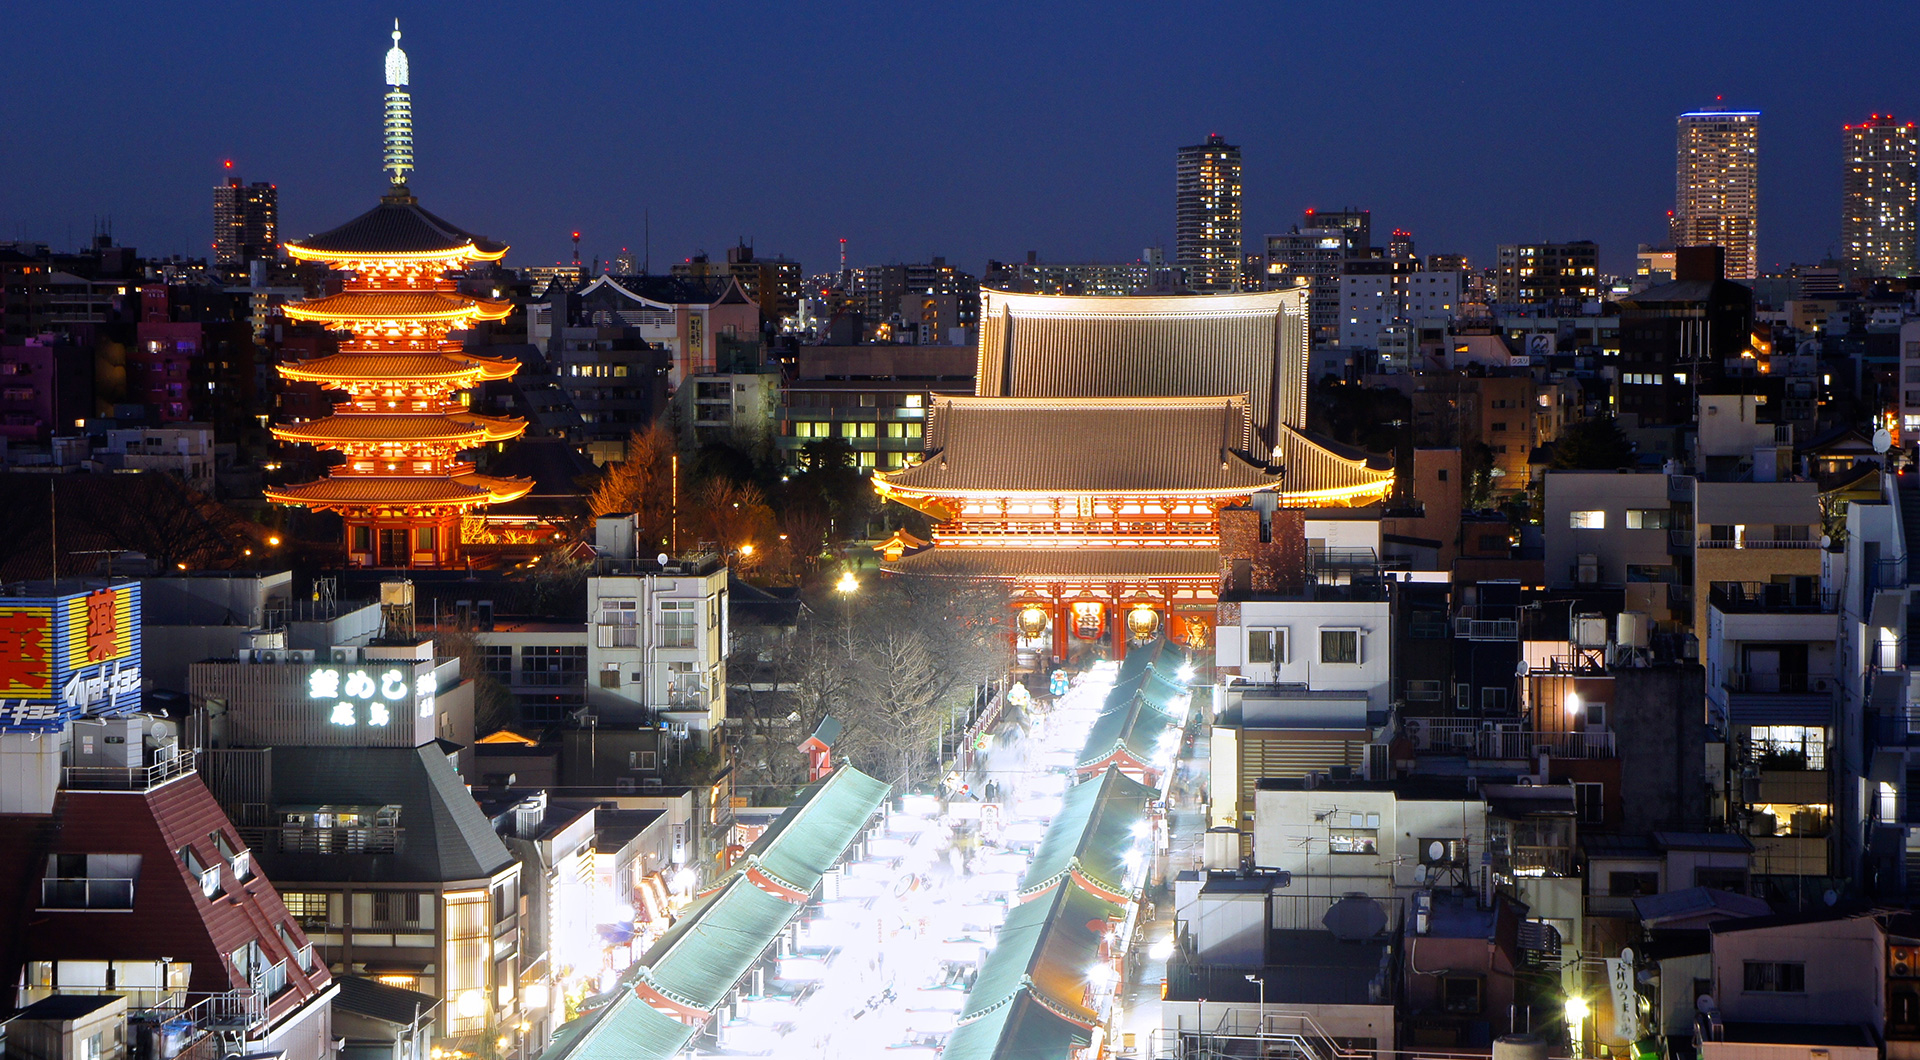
(399, 367)
(1159, 445)
(422, 306)
(464, 430)
(400, 491)
(397, 228)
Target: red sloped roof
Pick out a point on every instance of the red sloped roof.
(171, 917)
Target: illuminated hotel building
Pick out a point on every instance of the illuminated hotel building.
(1103, 438)
(1207, 214)
(402, 488)
(1716, 186)
(1877, 222)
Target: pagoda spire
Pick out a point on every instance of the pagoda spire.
(397, 158)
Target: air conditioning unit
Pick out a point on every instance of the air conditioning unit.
(1903, 962)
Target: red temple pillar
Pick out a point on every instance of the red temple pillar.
(1062, 629)
(1118, 617)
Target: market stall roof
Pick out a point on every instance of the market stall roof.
(1092, 838)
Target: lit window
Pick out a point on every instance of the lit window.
(1587, 520)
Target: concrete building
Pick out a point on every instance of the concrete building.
(1878, 188)
(1558, 274)
(1717, 186)
(246, 222)
(660, 636)
(871, 398)
(1207, 214)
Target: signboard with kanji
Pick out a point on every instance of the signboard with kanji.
(69, 656)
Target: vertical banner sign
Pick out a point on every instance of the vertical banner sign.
(1626, 996)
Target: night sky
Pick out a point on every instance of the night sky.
(969, 130)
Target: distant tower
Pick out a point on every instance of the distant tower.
(1207, 214)
(246, 221)
(1717, 186)
(397, 158)
(1877, 223)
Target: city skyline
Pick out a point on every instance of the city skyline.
(1068, 160)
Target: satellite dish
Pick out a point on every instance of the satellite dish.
(1826, 541)
(1831, 897)
(662, 559)
(1436, 851)
(1523, 669)
(1882, 441)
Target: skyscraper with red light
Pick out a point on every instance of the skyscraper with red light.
(246, 221)
(1878, 214)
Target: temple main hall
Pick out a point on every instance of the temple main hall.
(404, 424)
(1103, 439)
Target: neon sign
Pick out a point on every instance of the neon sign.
(374, 694)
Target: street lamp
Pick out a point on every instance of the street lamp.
(846, 587)
(1577, 1011)
(1262, 980)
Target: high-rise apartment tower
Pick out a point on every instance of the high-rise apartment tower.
(1716, 187)
(1207, 214)
(1877, 219)
(246, 221)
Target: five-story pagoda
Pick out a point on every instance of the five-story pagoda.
(403, 487)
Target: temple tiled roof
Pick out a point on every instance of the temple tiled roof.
(428, 367)
(398, 226)
(1034, 345)
(401, 427)
(1162, 445)
(662, 290)
(418, 491)
(397, 305)
(954, 562)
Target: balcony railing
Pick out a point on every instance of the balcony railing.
(272, 980)
(1753, 542)
(86, 892)
(1486, 628)
(1770, 598)
(373, 839)
(1777, 683)
(1475, 740)
(1886, 574)
(128, 778)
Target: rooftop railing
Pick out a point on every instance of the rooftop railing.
(128, 778)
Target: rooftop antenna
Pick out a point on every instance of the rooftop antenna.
(646, 250)
(576, 246)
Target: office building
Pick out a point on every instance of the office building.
(1207, 214)
(1716, 186)
(246, 222)
(1316, 255)
(1878, 184)
(1547, 273)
